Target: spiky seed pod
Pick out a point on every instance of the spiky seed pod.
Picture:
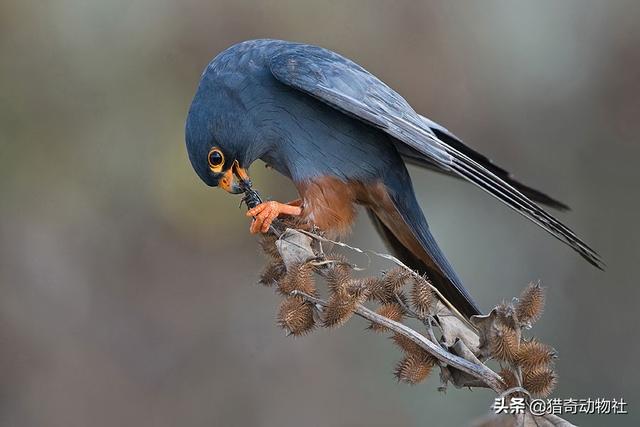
(509, 377)
(345, 296)
(294, 222)
(530, 304)
(339, 309)
(506, 315)
(339, 274)
(338, 261)
(396, 278)
(359, 289)
(539, 382)
(422, 297)
(296, 316)
(268, 245)
(504, 343)
(273, 272)
(378, 290)
(299, 277)
(406, 345)
(503, 309)
(414, 368)
(391, 311)
(533, 355)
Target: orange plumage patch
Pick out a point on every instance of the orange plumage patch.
(329, 203)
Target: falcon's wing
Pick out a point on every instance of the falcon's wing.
(349, 88)
(452, 140)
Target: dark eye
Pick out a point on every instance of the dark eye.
(216, 159)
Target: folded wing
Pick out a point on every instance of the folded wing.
(349, 88)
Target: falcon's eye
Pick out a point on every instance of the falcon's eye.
(216, 159)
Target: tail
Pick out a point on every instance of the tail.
(401, 223)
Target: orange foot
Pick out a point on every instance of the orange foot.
(264, 214)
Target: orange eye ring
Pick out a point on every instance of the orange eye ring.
(215, 159)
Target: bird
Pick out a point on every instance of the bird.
(344, 138)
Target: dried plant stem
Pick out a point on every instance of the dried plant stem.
(479, 371)
(399, 263)
(426, 321)
(464, 344)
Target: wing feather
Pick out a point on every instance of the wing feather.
(352, 90)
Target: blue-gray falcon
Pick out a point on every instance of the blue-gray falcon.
(343, 137)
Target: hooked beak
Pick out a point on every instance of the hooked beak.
(236, 180)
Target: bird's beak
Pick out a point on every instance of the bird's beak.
(235, 180)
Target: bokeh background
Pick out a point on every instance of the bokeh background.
(127, 287)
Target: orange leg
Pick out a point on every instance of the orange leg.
(264, 214)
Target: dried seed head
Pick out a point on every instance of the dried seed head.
(406, 345)
(339, 309)
(273, 272)
(533, 355)
(391, 311)
(530, 304)
(345, 296)
(338, 261)
(539, 382)
(504, 342)
(396, 278)
(509, 378)
(295, 222)
(378, 290)
(299, 277)
(414, 368)
(422, 297)
(359, 288)
(339, 274)
(295, 316)
(268, 245)
(506, 315)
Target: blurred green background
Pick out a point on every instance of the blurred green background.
(127, 287)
